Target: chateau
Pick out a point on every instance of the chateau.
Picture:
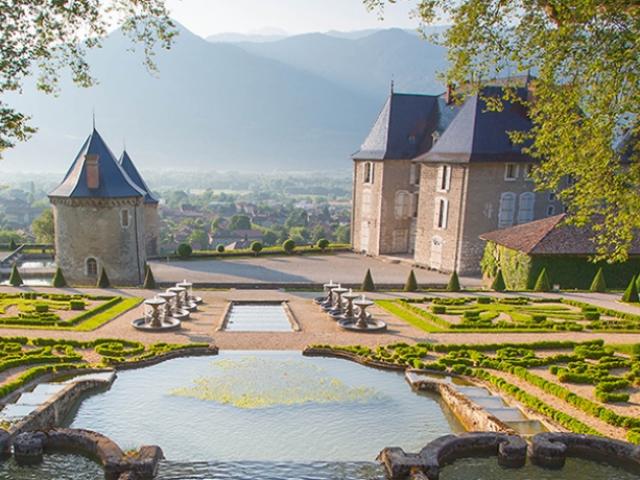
(105, 217)
(432, 176)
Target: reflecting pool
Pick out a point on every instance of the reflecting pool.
(265, 406)
(53, 467)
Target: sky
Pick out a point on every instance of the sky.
(207, 17)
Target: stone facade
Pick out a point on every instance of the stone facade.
(151, 229)
(88, 229)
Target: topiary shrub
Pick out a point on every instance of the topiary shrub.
(76, 304)
(439, 309)
(184, 250)
(149, 280)
(591, 315)
(483, 300)
(13, 245)
(289, 246)
(15, 279)
(411, 284)
(367, 283)
(454, 283)
(220, 248)
(542, 283)
(256, 248)
(58, 279)
(598, 284)
(322, 244)
(631, 293)
(41, 308)
(103, 279)
(498, 284)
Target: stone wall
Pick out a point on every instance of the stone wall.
(151, 229)
(366, 208)
(90, 228)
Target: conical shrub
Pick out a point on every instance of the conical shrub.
(103, 280)
(13, 245)
(454, 283)
(15, 279)
(149, 281)
(58, 279)
(542, 283)
(412, 283)
(498, 284)
(631, 293)
(367, 283)
(598, 284)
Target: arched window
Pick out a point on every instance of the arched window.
(402, 205)
(507, 209)
(525, 208)
(91, 265)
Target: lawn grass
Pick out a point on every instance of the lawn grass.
(411, 318)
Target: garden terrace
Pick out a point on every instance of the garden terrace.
(515, 314)
(586, 387)
(58, 311)
(23, 360)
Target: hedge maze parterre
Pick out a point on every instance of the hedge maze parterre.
(510, 313)
(613, 375)
(39, 356)
(61, 311)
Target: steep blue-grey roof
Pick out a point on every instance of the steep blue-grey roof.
(113, 181)
(478, 135)
(403, 128)
(131, 170)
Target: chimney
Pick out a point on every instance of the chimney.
(93, 173)
(448, 96)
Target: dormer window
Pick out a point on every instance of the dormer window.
(435, 136)
(92, 171)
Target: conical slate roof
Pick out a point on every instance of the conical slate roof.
(131, 170)
(402, 128)
(478, 135)
(113, 181)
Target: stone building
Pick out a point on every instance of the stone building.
(100, 216)
(433, 175)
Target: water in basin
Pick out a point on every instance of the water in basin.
(265, 406)
(258, 318)
(54, 466)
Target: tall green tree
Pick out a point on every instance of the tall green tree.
(44, 38)
(586, 98)
(43, 228)
(240, 222)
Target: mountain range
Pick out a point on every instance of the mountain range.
(303, 102)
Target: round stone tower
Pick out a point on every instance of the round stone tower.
(98, 216)
(151, 215)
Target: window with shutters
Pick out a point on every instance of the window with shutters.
(402, 207)
(441, 213)
(526, 207)
(444, 178)
(507, 209)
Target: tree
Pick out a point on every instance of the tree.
(322, 244)
(454, 283)
(270, 237)
(15, 279)
(342, 234)
(184, 250)
(103, 279)
(58, 279)
(256, 248)
(199, 237)
(367, 283)
(498, 283)
(288, 246)
(13, 245)
(411, 285)
(42, 227)
(631, 293)
(586, 59)
(149, 280)
(220, 248)
(240, 222)
(542, 283)
(598, 284)
(45, 37)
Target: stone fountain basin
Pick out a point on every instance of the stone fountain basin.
(168, 324)
(373, 326)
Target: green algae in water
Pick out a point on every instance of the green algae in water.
(253, 383)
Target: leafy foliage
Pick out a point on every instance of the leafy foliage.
(184, 250)
(289, 246)
(256, 247)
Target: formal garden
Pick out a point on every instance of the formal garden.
(584, 387)
(514, 314)
(58, 311)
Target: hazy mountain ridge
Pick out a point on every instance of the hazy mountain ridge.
(226, 106)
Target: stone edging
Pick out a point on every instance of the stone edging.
(143, 464)
(295, 326)
(181, 353)
(547, 450)
(328, 352)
